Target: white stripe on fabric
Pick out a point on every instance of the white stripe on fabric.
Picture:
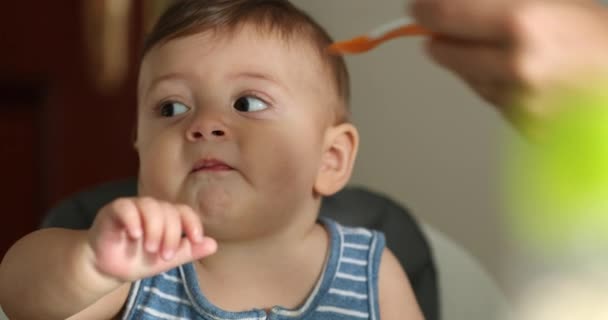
(351, 277)
(166, 296)
(345, 293)
(171, 278)
(372, 299)
(359, 231)
(159, 314)
(131, 302)
(347, 312)
(354, 261)
(356, 246)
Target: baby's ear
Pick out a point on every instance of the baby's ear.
(338, 158)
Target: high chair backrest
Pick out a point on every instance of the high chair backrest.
(351, 206)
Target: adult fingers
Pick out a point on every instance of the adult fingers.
(486, 20)
(477, 61)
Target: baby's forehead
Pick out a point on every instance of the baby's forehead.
(262, 38)
(248, 47)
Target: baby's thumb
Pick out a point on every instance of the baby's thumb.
(204, 248)
(189, 251)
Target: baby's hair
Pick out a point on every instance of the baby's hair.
(187, 17)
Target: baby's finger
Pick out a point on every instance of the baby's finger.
(153, 221)
(191, 223)
(172, 230)
(126, 214)
(186, 252)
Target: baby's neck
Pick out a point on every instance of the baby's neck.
(293, 258)
(294, 230)
(297, 234)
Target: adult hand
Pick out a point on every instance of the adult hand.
(513, 51)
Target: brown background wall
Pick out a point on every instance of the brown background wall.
(58, 133)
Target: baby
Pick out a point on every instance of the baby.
(242, 129)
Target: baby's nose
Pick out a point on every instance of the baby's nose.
(207, 127)
(197, 134)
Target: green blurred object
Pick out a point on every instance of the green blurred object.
(558, 189)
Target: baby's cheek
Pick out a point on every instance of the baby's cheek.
(292, 167)
(157, 175)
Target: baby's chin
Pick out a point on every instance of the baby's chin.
(227, 215)
(211, 202)
(226, 212)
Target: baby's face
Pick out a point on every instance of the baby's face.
(234, 127)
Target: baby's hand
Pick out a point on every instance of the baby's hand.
(134, 238)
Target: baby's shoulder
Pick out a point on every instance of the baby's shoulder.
(359, 237)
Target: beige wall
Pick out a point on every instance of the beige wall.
(426, 140)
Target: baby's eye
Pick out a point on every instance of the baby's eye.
(249, 104)
(171, 108)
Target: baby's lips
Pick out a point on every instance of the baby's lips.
(210, 164)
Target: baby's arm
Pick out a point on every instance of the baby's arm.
(58, 273)
(397, 300)
(47, 275)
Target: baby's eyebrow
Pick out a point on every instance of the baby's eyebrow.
(254, 74)
(259, 76)
(166, 77)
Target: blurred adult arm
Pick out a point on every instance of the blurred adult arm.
(511, 52)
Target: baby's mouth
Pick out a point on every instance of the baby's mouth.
(211, 165)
